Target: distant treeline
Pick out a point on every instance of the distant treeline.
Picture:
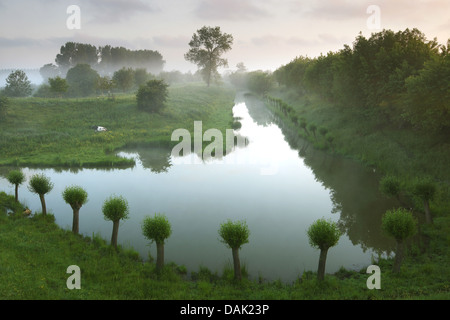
(402, 77)
(105, 60)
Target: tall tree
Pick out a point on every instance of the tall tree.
(17, 84)
(207, 47)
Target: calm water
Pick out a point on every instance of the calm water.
(280, 188)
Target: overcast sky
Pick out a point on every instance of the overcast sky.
(267, 33)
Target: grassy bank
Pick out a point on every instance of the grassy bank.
(56, 132)
(35, 254)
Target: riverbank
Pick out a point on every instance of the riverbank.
(35, 254)
(55, 132)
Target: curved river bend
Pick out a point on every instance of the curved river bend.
(280, 188)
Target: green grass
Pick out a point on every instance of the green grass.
(35, 254)
(56, 132)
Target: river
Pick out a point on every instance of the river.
(279, 186)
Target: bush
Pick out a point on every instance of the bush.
(152, 96)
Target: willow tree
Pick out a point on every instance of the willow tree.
(400, 224)
(115, 208)
(16, 177)
(425, 190)
(157, 229)
(206, 48)
(76, 197)
(41, 185)
(234, 235)
(323, 235)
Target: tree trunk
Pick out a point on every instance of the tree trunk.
(17, 193)
(44, 208)
(115, 233)
(236, 264)
(322, 262)
(398, 256)
(159, 257)
(75, 220)
(428, 217)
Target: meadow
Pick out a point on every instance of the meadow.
(42, 132)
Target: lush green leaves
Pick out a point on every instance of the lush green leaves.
(82, 80)
(17, 84)
(115, 208)
(399, 223)
(424, 189)
(156, 228)
(16, 177)
(75, 196)
(40, 184)
(206, 48)
(323, 234)
(152, 96)
(234, 234)
(390, 186)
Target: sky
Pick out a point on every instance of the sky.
(267, 33)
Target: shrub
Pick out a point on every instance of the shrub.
(152, 96)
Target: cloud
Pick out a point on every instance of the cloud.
(113, 11)
(171, 41)
(229, 10)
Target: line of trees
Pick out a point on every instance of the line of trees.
(323, 234)
(105, 60)
(399, 76)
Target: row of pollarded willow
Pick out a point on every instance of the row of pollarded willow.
(322, 234)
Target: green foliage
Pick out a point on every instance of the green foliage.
(40, 184)
(156, 228)
(82, 80)
(17, 84)
(323, 234)
(115, 208)
(259, 81)
(399, 223)
(152, 97)
(390, 186)
(398, 76)
(16, 177)
(75, 196)
(425, 189)
(124, 79)
(234, 234)
(206, 48)
(58, 85)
